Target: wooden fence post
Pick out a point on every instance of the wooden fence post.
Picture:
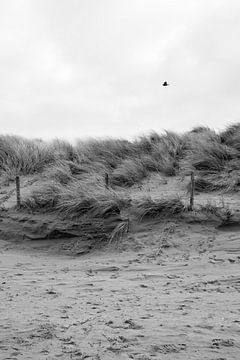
(192, 191)
(18, 192)
(106, 180)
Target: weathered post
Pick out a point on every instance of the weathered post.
(106, 180)
(192, 191)
(18, 191)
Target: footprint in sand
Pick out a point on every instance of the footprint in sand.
(168, 348)
(217, 343)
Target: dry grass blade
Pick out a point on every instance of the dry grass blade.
(120, 231)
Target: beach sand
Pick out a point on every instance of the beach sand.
(168, 291)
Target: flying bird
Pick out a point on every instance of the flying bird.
(165, 83)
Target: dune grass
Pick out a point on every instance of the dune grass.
(77, 198)
(231, 136)
(207, 156)
(201, 149)
(225, 181)
(218, 210)
(152, 208)
(43, 199)
(74, 176)
(120, 231)
(75, 173)
(109, 152)
(23, 156)
(130, 172)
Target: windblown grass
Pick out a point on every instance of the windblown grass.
(130, 172)
(204, 130)
(207, 156)
(150, 208)
(219, 210)
(231, 136)
(60, 172)
(109, 152)
(22, 156)
(77, 198)
(64, 171)
(144, 144)
(225, 181)
(128, 163)
(63, 150)
(43, 199)
(161, 152)
(120, 231)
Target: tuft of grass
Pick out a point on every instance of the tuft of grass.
(161, 152)
(147, 207)
(167, 152)
(207, 131)
(63, 150)
(224, 181)
(231, 136)
(120, 231)
(144, 144)
(109, 152)
(43, 199)
(130, 172)
(202, 185)
(207, 156)
(75, 206)
(60, 172)
(200, 132)
(167, 164)
(64, 171)
(219, 210)
(77, 198)
(21, 156)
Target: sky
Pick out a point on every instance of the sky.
(94, 68)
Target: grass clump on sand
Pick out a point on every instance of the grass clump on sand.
(224, 181)
(216, 210)
(22, 156)
(150, 208)
(161, 153)
(43, 199)
(108, 152)
(231, 136)
(64, 171)
(130, 172)
(77, 198)
(204, 151)
(63, 150)
(213, 158)
(89, 203)
(208, 156)
(120, 231)
(60, 172)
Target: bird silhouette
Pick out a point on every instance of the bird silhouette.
(165, 83)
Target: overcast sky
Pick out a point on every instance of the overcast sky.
(77, 68)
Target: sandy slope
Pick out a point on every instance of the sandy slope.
(172, 294)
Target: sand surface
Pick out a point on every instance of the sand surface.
(178, 300)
